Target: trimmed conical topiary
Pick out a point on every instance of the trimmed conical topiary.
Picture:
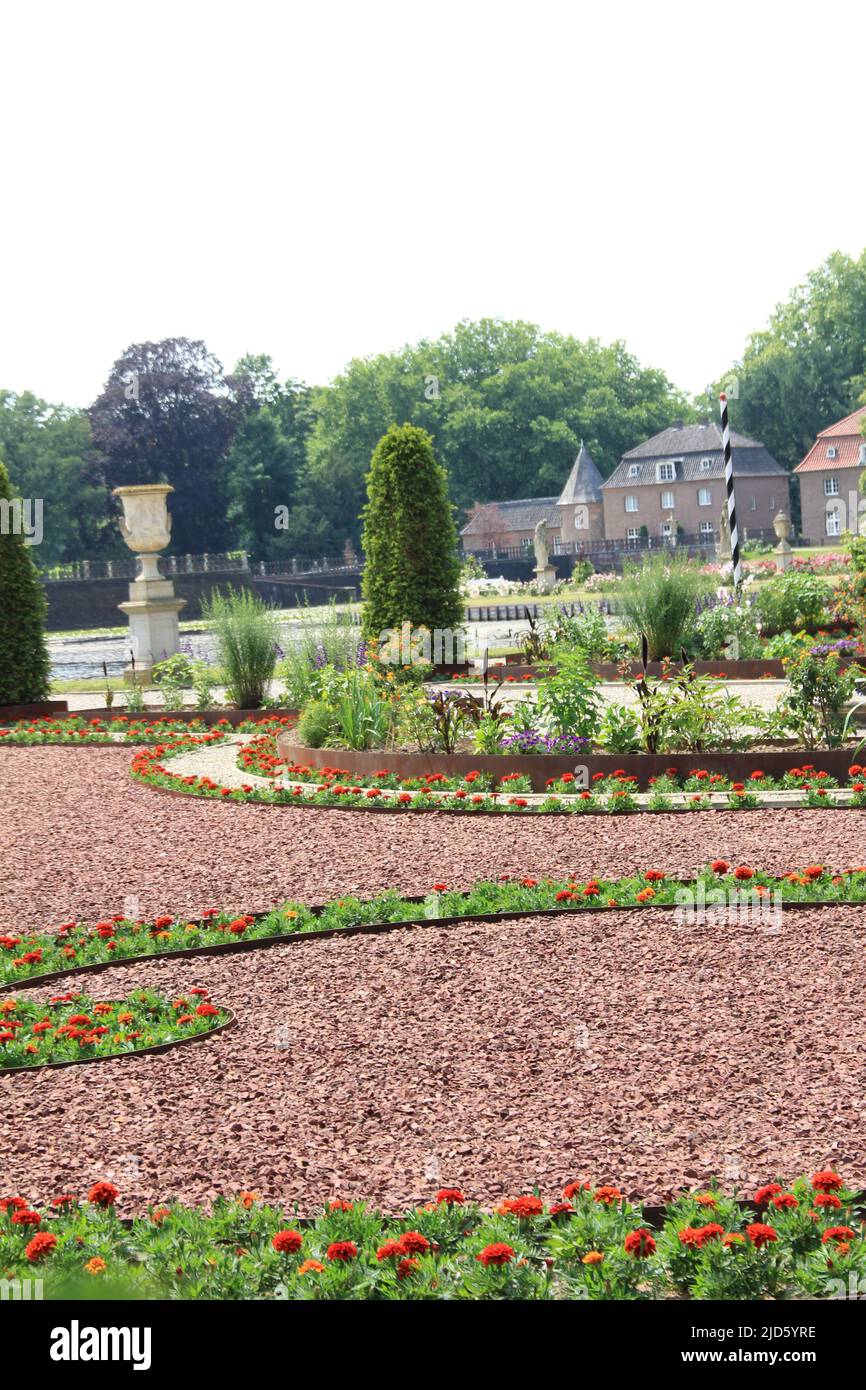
(411, 568)
(24, 662)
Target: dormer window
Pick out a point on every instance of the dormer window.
(666, 472)
(831, 451)
(706, 465)
(633, 470)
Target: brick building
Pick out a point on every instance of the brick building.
(829, 476)
(672, 484)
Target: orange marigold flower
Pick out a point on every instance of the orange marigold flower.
(287, 1242)
(96, 1265)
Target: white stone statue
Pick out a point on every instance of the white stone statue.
(152, 607)
(542, 551)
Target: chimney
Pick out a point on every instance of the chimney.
(677, 425)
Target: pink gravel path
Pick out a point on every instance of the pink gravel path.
(80, 839)
(492, 1057)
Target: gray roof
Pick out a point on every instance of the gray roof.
(522, 515)
(687, 446)
(584, 480)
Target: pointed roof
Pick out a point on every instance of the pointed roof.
(584, 480)
(845, 437)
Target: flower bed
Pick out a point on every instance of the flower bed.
(71, 1028)
(543, 770)
(86, 728)
(803, 1240)
(38, 957)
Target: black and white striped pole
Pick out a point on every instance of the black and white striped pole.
(729, 485)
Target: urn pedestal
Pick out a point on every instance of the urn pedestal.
(783, 552)
(545, 578)
(152, 607)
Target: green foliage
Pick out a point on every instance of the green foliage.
(247, 635)
(506, 404)
(569, 702)
(659, 598)
(412, 571)
(24, 661)
(49, 454)
(819, 692)
(791, 600)
(620, 730)
(728, 630)
(362, 711)
(171, 676)
(316, 723)
(807, 368)
(332, 639)
(585, 631)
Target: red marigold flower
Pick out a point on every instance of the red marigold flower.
(407, 1267)
(608, 1195)
(497, 1254)
(40, 1246)
(440, 888)
(837, 1233)
(450, 1197)
(103, 1194)
(343, 1251)
(391, 1250)
(828, 1199)
(653, 876)
(287, 1242)
(720, 866)
(159, 1214)
(639, 1243)
(414, 1243)
(26, 1218)
(763, 1194)
(785, 1201)
(206, 1011)
(572, 1189)
(743, 873)
(522, 1207)
(559, 1208)
(564, 895)
(826, 1181)
(690, 1236)
(339, 1205)
(17, 1203)
(712, 1231)
(760, 1235)
(66, 1199)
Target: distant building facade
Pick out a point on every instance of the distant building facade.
(829, 478)
(671, 485)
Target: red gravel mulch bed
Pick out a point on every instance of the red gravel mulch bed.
(489, 1057)
(82, 840)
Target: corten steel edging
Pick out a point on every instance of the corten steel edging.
(152, 1051)
(541, 766)
(44, 709)
(224, 948)
(610, 671)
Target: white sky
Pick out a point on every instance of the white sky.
(324, 180)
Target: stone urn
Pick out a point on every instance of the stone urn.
(782, 528)
(152, 607)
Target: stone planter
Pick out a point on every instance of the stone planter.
(152, 607)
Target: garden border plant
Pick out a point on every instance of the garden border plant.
(120, 941)
(590, 1242)
(80, 1035)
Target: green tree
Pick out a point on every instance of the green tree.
(506, 406)
(412, 572)
(807, 368)
(49, 456)
(24, 662)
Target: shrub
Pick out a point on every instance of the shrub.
(819, 692)
(728, 630)
(791, 600)
(661, 598)
(331, 640)
(247, 636)
(25, 667)
(412, 570)
(569, 702)
(316, 723)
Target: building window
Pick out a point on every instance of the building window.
(667, 501)
(707, 528)
(753, 504)
(581, 518)
(633, 470)
(631, 502)
(705, 497)
(666, 472)
(706, 465)
(834, 523)
(831, 452)
(632, 533)
(772, 504)
(831, 487)
(667, 529)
